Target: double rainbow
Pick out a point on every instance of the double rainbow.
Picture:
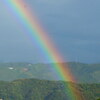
(37, 34)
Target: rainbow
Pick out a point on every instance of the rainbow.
(32, 28)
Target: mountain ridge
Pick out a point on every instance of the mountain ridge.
(35, 89)
(84, 73)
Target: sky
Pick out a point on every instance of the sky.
(73, 25)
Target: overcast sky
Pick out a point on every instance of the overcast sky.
(74, 26)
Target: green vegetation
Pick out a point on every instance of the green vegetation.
(33, 89)
(84, 73)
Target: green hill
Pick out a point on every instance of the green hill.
(87, 73)
(33, 89)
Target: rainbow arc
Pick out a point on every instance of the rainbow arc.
(38, 35)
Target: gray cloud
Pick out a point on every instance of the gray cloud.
(72, 24)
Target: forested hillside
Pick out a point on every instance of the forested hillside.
(87, 73)
(33, 89)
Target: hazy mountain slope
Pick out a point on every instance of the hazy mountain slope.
(86, 72)
(82, 72)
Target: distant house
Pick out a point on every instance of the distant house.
(25, 69)
(11, 68)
